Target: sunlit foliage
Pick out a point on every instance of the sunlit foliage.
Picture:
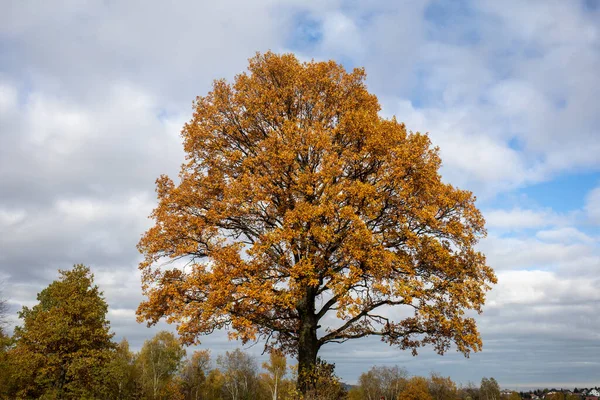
(298, 200)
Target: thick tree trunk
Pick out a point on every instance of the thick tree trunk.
(307, 356)
(308, 343)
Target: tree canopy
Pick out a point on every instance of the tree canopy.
(298, 201)
(121, 374)
(65, 341)
(386, 382)
(416, 389)
(3, 312)
(442, 388)
(158, 361)
(239, 371)
(276, 369)
(489, 389)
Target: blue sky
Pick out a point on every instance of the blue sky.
(93, 96)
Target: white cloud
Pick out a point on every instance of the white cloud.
(519, 218)
(541, 288)
(341, 35)
(11, 217)
(8, 98)
(471, 157)
(55, 127)
(121, 313)
(592, 206)
(564, 235)
(527, 252)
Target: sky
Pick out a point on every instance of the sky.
(93, 95)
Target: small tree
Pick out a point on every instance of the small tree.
(469, 392)
(442, 388)
(385, 382)
(215, 385)
(321, 382)
(158, 361)
(276, 369)
(122, 378)
(194, 373)
(240, 375)
(64, 344)
(489, 389)
(417, 388)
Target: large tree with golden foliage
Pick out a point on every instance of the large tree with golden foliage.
(298, 201)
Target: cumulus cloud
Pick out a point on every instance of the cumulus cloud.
(528, 252)
(565, 235)
(592, 206)
(479, 162)
(519, 218)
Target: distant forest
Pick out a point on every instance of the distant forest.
(64, 349)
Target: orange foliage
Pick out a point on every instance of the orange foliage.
(296, 201)
(416, 389)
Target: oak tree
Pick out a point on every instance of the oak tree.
(299, 202)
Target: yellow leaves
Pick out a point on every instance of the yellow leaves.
(296, 191)
(303, 273)
(417, 388)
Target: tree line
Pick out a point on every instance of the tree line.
(64, 349)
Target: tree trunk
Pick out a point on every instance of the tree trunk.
(308, 343)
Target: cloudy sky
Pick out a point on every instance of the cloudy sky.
(93, 95)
